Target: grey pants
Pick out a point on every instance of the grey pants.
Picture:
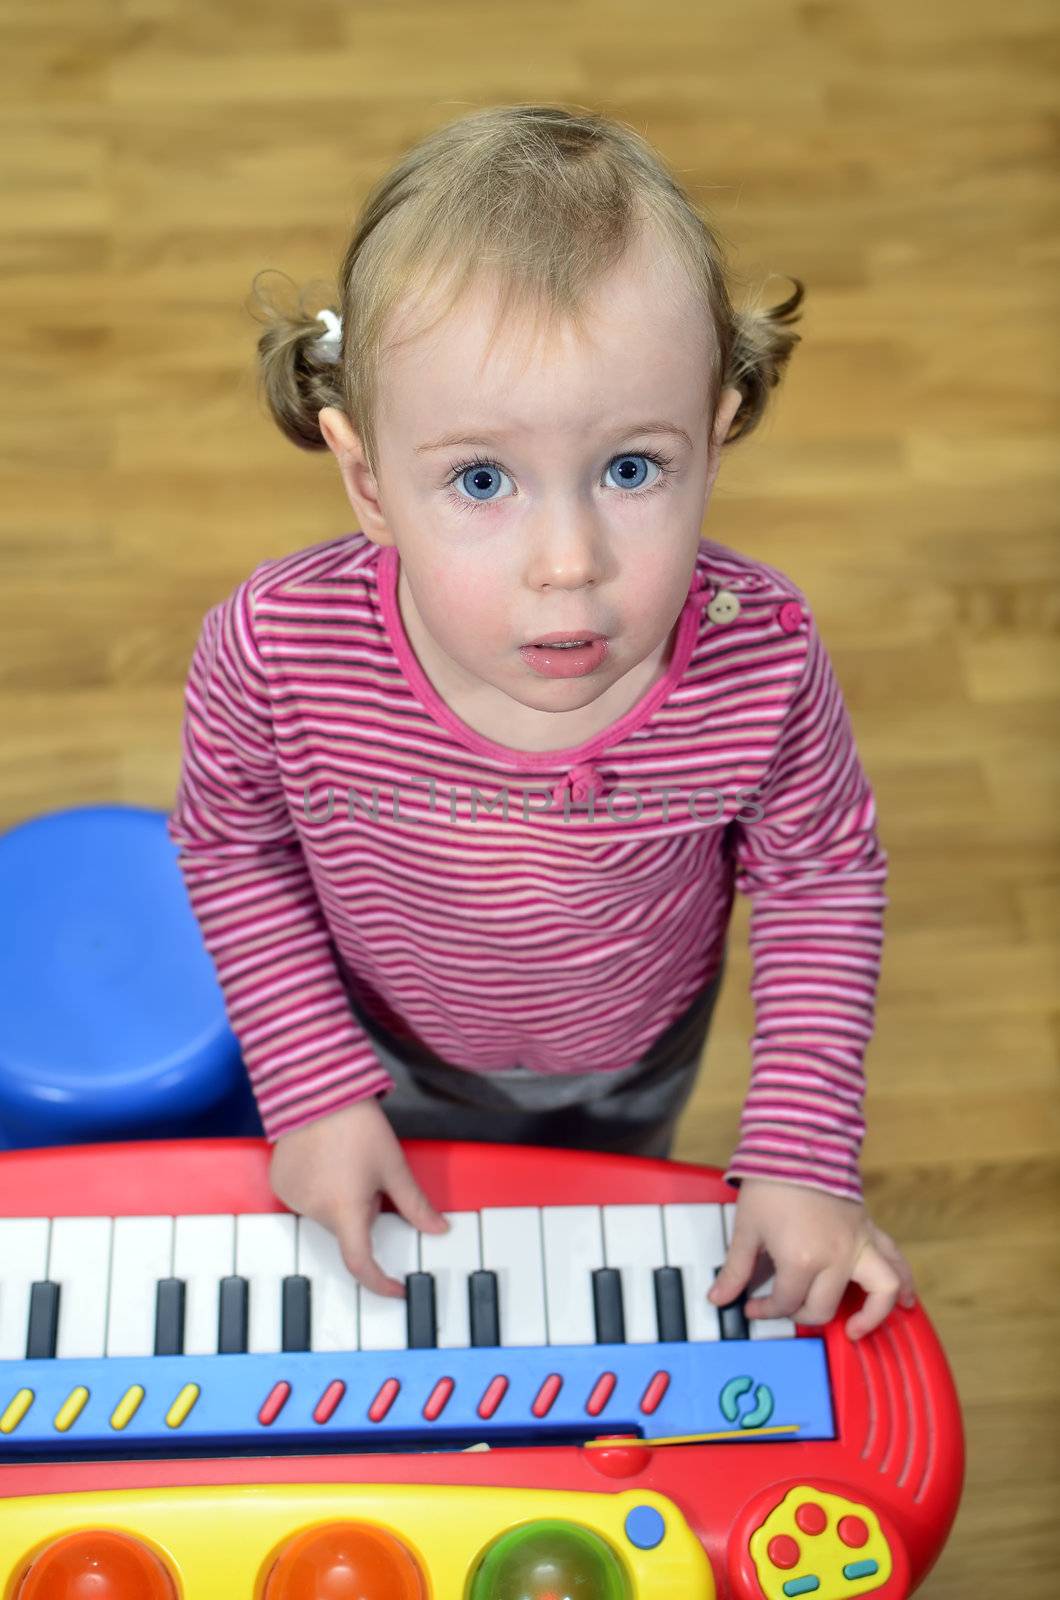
(633, 1110)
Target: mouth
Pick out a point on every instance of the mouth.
(566, 655)
(562, 640)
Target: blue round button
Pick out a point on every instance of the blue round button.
(645, 1527)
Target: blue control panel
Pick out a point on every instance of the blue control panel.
(408, 1399)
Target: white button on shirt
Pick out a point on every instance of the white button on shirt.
(724, 607)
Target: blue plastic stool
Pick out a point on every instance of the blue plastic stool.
(112, 1021)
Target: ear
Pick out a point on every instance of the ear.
(359, 481)
(726, 409)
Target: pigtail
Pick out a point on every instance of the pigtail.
(294, 378)
(761, 346)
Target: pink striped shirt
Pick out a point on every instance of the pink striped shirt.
(557, 909)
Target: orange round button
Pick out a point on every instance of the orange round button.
(344, 1561)
(96, 1564)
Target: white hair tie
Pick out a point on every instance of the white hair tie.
(329, 344)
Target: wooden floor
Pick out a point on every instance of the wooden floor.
(898, 157)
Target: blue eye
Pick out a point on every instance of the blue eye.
(476, 479)
(480, 478)
(634, 479)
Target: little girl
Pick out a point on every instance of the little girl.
(466, 794)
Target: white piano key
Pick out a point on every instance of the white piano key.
(141, 1254)
(728, 1217)
(511, 1247)
(204, 1252)
(574, 1247)
(334, 1293)
(769, 1327)
(765, 1327)
(79, 1261)
(695, 1241)
(452, 1257)
(266, 1250)
(384, 1320)
(23, 1262)
(633, 1242)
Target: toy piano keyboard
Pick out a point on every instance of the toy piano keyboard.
(198, 1402)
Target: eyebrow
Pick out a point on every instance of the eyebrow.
(450, 439)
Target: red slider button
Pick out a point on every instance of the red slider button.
(278, 1396)
(329, 1400)
(439, 1399)
(546, 1395)
(603, 1389)
(658, 1386)
(383, 1400)
(495, 1393)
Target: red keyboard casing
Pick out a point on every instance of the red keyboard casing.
(899, 1447)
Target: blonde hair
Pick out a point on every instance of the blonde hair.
(542, 200)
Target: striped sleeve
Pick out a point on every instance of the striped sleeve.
(815, 874)
(252, 893)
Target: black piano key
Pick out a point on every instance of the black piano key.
(419, 1305)
(43, 1329)
(670, 1304)
(484, 1307)
(731, 1319)
(169, 1317)
(607, 1306)
(296, 1301)
(232, 1317)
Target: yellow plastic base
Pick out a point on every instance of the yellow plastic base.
(220, 1542)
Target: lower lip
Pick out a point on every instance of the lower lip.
(575, 663)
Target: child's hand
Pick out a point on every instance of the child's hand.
(818, 1244)
(336, 1171)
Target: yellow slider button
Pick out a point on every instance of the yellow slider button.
(16, 1410)
(127, 1406)
(182, 1405)
(71, 1408)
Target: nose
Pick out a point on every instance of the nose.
(567, 554)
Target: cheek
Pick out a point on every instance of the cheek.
(465, 603)
(655, 590)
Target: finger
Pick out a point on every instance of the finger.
(891, 1253)
(410, 1200)
(356, 1247)
(824, 1295)
(734, 1275)
(787, 1294)
(881, 1283)
(878, 1304)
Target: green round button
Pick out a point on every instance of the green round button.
(550, 1560)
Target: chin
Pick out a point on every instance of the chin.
(562, 694)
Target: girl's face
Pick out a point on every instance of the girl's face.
(560, 491)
